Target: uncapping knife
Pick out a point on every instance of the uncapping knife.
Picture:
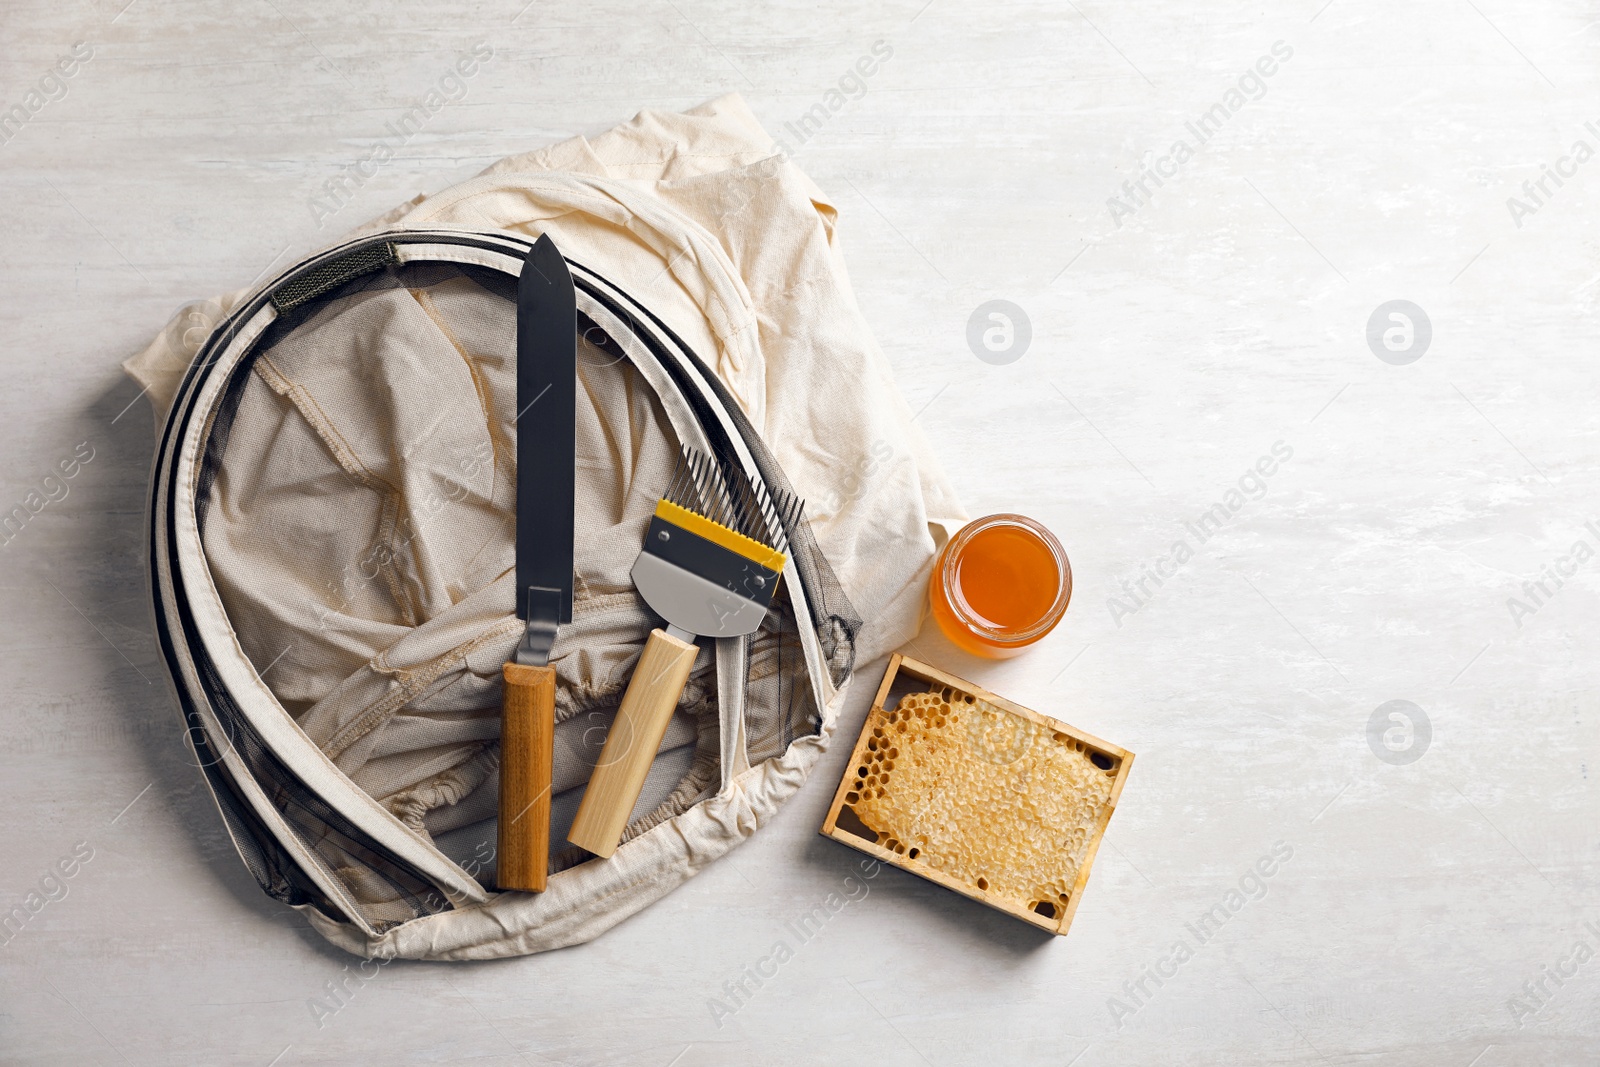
(547, 357)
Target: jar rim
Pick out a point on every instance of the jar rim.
(955, 596)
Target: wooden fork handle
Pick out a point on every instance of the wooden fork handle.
(631, 745)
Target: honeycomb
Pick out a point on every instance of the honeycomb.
(982, 795)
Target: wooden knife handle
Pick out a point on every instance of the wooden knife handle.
(527, 739)
(631, 745)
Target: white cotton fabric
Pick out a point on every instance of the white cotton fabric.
(389, 695)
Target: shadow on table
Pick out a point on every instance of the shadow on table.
(969, 922)
(109, 584)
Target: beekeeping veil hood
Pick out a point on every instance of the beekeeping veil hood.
(332, 527)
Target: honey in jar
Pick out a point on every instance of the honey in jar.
(999, 585)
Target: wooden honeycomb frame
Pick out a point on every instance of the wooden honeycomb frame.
(1052, 915)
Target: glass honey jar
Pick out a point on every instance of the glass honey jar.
(999, 585)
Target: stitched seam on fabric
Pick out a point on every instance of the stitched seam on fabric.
(345, 456)
(409, 680)
(388, 528)
(479, 385)
(599, 602)
(425, 301)
(312, 412)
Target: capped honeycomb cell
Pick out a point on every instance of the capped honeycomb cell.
(981, 795)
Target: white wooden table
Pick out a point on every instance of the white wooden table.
(1441, 868)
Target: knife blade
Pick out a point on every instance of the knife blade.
(547, 358)
(547, 376)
